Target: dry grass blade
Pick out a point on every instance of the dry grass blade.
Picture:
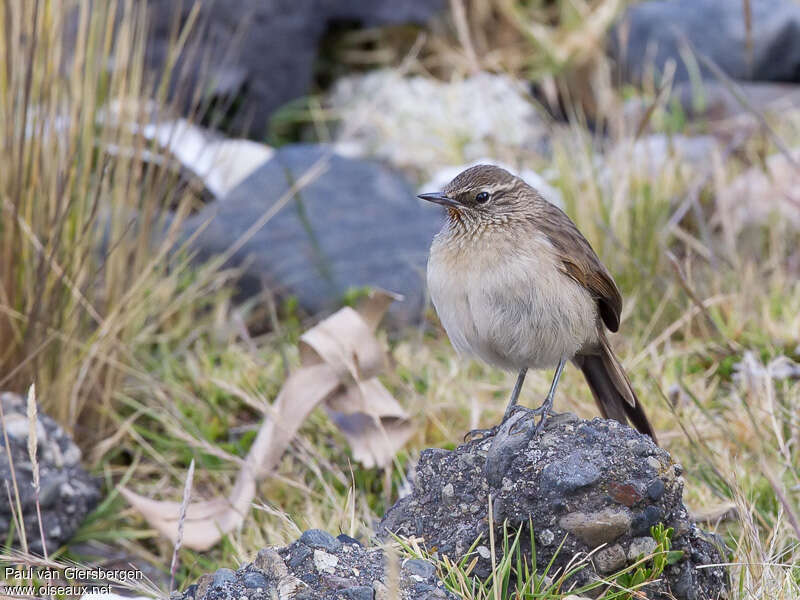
(33, 438)
(187, 496)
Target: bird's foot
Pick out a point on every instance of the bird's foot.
(544, 412)
(479, 434)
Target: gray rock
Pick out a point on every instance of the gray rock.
(359, 592)
(641, 546)
(611, 559)
(271, 58)
(584, 482)
(655, 33)
(598, 527)
(66, 491)
(350, 572)
(255, 580)
(420, 568)
(316, 538)
(358, 224)
(223, 577)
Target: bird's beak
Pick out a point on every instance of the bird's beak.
(439, 198)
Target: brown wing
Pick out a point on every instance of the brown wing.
(581, 262)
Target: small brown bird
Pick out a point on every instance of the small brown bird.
(516, 284)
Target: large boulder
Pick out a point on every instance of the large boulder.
(263, 53)
(656, 32)
(581, 484)
(358, 224)
(67, 492)
(319, 566)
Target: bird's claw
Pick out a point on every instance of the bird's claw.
(470, 436)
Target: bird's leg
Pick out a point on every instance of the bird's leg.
(547, 406)
(512, 402)
(512, 406)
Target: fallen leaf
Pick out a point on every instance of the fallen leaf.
(341, 359)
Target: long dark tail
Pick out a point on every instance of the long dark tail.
(612, 389)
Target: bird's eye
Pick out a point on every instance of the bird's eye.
(482, 197)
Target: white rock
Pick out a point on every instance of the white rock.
(755, 195)
(641, 546)
(221, 163)
(18, 427)
(425, 124)
(325, 562)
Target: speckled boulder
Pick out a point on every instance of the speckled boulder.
(319, 566)
(586, 483)
(67, 492)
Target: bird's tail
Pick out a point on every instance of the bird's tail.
(612, 389)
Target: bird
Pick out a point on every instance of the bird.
(516, 285)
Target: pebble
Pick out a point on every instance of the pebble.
(316, 538)
(654, 489)
(448, 495)
(346, 539)
(420, 567)
(324, 561)
(641, 546)
(601, 527)
(300, 553)
(546, 537)
(270, 562)
(359, 592)
(255, 580)
(224, 576)
(610, 559)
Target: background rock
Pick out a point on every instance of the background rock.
(715, 28)
(319, 566)
(263, 53)
(584, 482)
(67, 492)
(358, 224)
(424, 124)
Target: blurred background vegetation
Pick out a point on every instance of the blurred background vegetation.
(144, 355)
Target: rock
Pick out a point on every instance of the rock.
(611, 559)
(716, 102)
(220, 163)
(271, 58)
(348, 572)
(641, 546)
(324, 561)
(223, 577)
(316, 538)
(359, 592)
(358, 224)
(346, 539)
(66, 491)
(423, 124)
(420, 568)
(581, 482)
(714, 28)
(757, 195)
(255, 580)
(599, 527)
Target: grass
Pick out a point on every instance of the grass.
(146, 361)
(515, 575)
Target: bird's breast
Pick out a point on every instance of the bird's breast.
(508, 302)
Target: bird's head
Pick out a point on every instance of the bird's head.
(483, 193)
